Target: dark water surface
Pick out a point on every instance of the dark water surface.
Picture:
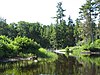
(63, 66)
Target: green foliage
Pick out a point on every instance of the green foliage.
(25, 45)
(46, 54)
(42, 53)
(3, 26)
(4, 49)
(89, 12)
(76, 50)
(28, 37)
(67, 48)
(5, 39)
(1, 53)
(59, 13)
(25, 55)
(83, 57)
(97, 43)
(86, 46)
(63, 33)
(95, 47)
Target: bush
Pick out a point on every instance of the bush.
(5, 39)
(42, 53)
(4, 49)
(95, 47)
(86, 46)
(97, 43)
(25, 45)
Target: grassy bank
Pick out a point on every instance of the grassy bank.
(86, 48)
(45, 55)
(92, 47)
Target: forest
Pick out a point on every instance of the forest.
(27, 38)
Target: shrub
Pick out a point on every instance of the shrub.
(4, 49)
(97, 43)
(67, 49)
(95, 47)
(9, 48)
(41, 53)
(86, 46)
(25, 45)
(5, 39)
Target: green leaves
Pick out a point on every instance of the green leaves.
(10, 48)
(4, 49)
(43, 53)
(97, 43)
(89, 13)
(25, 44)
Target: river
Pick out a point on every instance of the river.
(65, 65)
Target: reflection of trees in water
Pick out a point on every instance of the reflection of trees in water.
(89, 69)
(90, 65)
(67, 65)
(17, 68)
(71, 66)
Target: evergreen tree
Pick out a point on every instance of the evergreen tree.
(70, 32)
(89, 13)
(77, 30)
(60, 13)
(3, 27)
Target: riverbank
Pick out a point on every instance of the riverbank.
(18, 59)
(90, 48)
(41, 55)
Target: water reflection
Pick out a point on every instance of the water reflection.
(63, 66)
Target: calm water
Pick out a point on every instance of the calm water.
(63, 66)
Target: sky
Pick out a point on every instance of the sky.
(37, 10)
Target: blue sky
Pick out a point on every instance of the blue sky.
(37, 10)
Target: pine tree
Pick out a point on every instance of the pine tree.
(89, 13)
(60, 13)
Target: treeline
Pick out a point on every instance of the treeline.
(48, 36)
(63, 33)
